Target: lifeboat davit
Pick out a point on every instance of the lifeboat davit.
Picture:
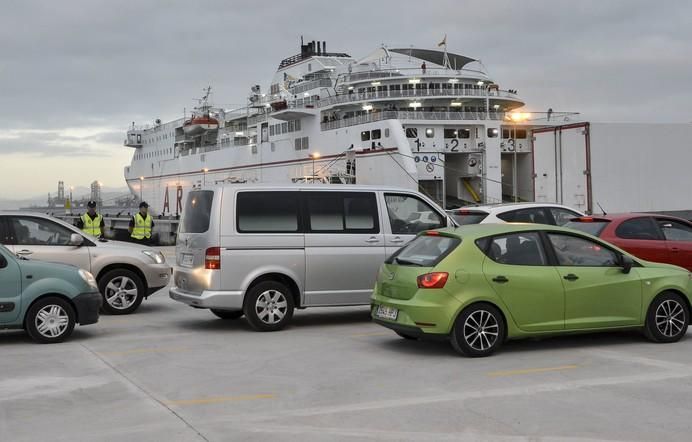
(197, 125)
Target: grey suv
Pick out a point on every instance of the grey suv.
(125, 273)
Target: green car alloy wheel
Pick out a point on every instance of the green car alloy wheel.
(480, 285)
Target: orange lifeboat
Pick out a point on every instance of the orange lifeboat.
(200, 124)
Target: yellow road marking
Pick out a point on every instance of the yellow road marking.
(144, 350)
(358, 335)
(531, 370)
(216, 400)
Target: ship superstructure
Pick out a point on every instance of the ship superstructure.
(416, 118)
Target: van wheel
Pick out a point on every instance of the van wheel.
(50, 320)
(667, 319)
(122, 291)
(268, 306)
(478, 331)
(227, 314)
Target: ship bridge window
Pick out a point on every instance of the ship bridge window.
(271, 130)
(411, 132)
(284, 128)
(464, 133)
(376, 134)
(505, 133)
(429, 132)
(450, 133)
(493, 132)
(395, 87)
(365, 135)
(297, 125)
(521, 133)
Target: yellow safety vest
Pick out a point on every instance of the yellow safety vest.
(142, 228)
(91, 226)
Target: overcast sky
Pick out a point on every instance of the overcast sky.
(75, 73)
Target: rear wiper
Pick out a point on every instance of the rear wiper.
(407, 262)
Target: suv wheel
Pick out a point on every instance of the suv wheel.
(122, 291)
(50, 320)
(478, 331)
(667, 318)
(227, 314)
(268, 306)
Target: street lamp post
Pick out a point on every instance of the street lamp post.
(141, 186)
(204, 176)
(71, 200)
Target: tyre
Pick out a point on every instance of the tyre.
(50, 320)
(478, 331)
(667, 319)
(268, 306)
(227, 314)
(407, 336)
(122, 291)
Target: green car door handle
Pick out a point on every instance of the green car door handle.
(500, 279)
(571, 277)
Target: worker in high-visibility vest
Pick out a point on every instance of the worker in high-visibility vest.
(91, 222)
(141, 225)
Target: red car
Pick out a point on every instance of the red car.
(657, 238)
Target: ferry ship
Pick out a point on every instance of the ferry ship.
(424, 119)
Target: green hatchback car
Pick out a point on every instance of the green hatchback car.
(45, 299)
(480, 285)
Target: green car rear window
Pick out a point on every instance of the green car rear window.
(591, 227)
(424, 251)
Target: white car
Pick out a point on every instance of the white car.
(537, 213)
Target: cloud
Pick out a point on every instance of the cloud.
(95, 65)
(76, 141)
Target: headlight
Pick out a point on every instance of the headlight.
(157, 257)
(88, 278)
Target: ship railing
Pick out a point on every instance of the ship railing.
(306, 86)
(411, 115)
(416, 93)
(473, 74)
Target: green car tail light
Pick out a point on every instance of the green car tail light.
(433, 280)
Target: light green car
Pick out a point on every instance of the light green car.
(45, 299)
(482, 284)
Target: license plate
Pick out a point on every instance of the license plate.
(385, 312)
(187, 260)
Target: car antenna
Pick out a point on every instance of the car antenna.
(600, 207)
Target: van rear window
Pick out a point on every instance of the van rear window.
(267, 212)
(196, 212)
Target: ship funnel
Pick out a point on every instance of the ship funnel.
(319, 47)
(324, 47)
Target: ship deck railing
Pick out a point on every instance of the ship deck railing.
(414, 93)
(378, 74)
(532, 118)
(411, 115)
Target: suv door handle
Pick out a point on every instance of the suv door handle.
(372, 239)
(500, 279)
(24, 252)
(396, 240)
(571, 277)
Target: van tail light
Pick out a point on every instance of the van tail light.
(434, 280)
(212, 258)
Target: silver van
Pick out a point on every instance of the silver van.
(263, 251)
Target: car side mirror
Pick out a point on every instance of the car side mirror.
(76, 240)
(626, 262)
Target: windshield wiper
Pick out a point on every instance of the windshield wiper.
(407, 262)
